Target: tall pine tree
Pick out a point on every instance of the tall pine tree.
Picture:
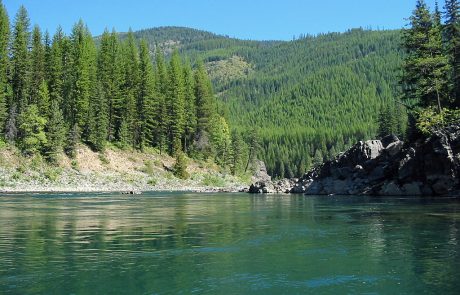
(452, 35)
(161, 89)
(426, 67)
(176, 104)
(20, 60)
(190, 120)
(37, 59)
(4, 37)
(147, 96)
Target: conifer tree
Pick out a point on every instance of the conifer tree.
(237, 153)
(47, 47)
(175, 104)
(221, 140)
(56, 82)
(55, 132)
(4, 37)
(438, 64)
(131, 89)
(98, 121)
(452, 35)
(180, 167)
(161, 89)
(20, 60)
(205, 107)
(426, 67)
(37, 59)
(318, 158)
(110, 76)
(190, 106)
(82, 71)
(147, 95)
(254, 147)
(11, 131)
(43, 99)
(72, 140)
(32, 130)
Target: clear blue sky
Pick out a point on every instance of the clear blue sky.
(247, 19)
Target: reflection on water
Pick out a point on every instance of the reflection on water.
(227, 244)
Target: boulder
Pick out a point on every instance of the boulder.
(260, 173)
(261, 188)
(394, 148)
(389, 139)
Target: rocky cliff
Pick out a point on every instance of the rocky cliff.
(387, 167)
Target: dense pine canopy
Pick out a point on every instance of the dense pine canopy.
(184, 91)
(308, 99)
(58, 91)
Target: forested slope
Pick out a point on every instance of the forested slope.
(308, 98)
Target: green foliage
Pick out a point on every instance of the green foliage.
(20, 59)
(55, 132)
(213, 180)
(426, 67)
(180, 167)
(32, 130)
(221, 140)
(4, 64)
(392, 119)
(148, 167)
(103, 158)
(239, 152)
(52, 174)
(73, 138)
(74, 164)
(430, 120)
(452, 34)
(152, 182)
(289, 91)
(175, 106)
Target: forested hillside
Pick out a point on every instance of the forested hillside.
(309, 98)
(57, 92)
(304, 100)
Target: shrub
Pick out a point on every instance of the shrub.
(103, 158)
(52, 174)
(74, 164)
(180, 168)
(152, 182)
(148, 168)
(213, 180)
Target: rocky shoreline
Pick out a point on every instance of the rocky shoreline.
(121, 171)
(388, 167)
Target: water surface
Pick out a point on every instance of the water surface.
(179, 243)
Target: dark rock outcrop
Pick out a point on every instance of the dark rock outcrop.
(386, 167)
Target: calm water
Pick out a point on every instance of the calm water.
(227, 244)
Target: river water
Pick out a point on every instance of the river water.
(180, 243)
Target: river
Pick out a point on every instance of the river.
(181, 243)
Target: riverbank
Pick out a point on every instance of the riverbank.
(429, 166)
(115, 170)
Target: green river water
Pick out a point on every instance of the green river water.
(181, 243)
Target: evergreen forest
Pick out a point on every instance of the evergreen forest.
(188, 92)
(58, 91)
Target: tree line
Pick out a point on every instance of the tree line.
(431, 69)
(59, 91)
(430, 81)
